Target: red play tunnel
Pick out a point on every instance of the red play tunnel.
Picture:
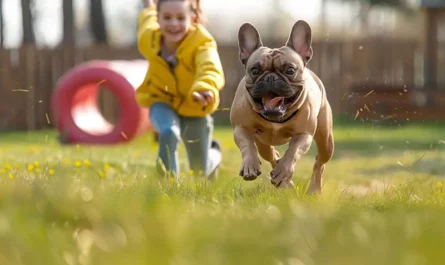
(75, 108)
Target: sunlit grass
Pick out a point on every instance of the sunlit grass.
(382, 203)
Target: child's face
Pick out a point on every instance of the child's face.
(175, 19)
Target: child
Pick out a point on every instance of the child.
(181, 88)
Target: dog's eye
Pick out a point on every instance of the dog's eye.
(290, 71)
(254, 71)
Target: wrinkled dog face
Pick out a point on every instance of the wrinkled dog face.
(274, 77)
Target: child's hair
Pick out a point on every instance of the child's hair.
(194, 5)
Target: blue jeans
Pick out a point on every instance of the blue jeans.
(195, 132)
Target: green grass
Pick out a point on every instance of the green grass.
(382, 203)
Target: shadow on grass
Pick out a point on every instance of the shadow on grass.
(344, 121)
(351, 137)
(372, 147)
(364, 148)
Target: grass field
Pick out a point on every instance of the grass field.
(382, 203)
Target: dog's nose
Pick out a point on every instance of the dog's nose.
(270, 78)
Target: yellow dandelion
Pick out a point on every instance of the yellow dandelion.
(191, 172)
(77, 163)
(8, 167)
(107, 166)
(102, 174)
(37, 170)
(87, 162)
(51, 172)
(18, 166)
(11, 176)
(67, 161)
(3, 171)
(439, 185)
(30, 167)
(171, 180)
(36, 163)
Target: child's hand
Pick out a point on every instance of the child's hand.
(204, 97)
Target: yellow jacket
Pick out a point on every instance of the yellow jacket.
(198, 68)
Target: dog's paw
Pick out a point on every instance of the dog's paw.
(289, 184)
(281, 175)
(250, 168)
(313, 188)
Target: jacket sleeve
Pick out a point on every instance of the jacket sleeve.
(209, 71)
(147, 23)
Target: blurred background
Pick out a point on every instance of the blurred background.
(380, 60)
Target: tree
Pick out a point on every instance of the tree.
(367, 5)
(27, 22)
(97, 21)
(2, 25)
(68, 22)
(402, 5)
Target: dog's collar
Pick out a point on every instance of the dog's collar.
(279, 121)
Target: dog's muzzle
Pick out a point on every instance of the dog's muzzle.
(273, 95)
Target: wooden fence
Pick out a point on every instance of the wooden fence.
(28, 75)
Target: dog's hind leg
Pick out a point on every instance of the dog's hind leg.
(324, 139)
(267, 152)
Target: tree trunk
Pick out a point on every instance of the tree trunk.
(97, 21)
(364, 18)
(323, 18)
(27, 23)
(2, 25)
(68, 23)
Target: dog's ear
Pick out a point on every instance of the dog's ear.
(300, 40)
(249, 40)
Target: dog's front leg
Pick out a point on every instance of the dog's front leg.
(245, 140)
(281, 175)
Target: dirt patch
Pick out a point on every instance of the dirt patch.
(361, 190)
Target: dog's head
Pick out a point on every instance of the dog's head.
(274, 77)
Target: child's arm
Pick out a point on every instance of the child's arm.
(147, 22)
(209, 71)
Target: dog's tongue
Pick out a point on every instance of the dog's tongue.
(272, 103)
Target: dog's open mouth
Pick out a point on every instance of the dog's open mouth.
(274, 105)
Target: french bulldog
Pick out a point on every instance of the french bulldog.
(280, 101)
